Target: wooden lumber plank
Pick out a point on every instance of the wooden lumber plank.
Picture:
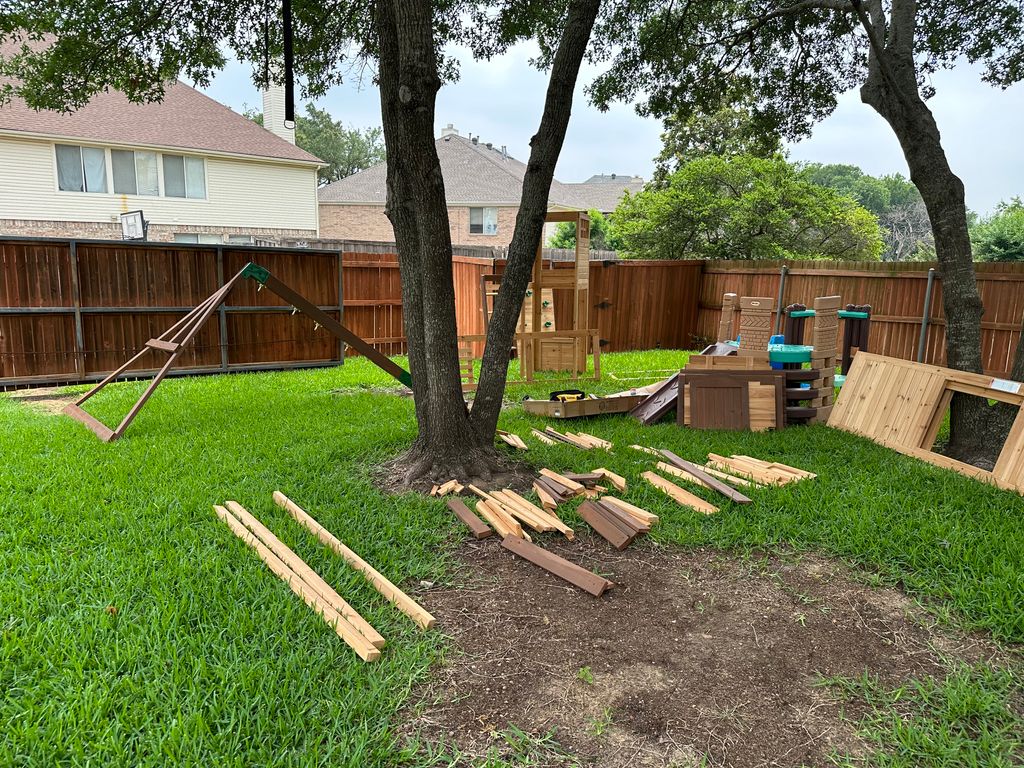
(580, 577)
(645, 449)
(606, 526)
(549, 518)
(542, 437)
(307, 574)
(559, 492)
(777, 466)
(617, 481)
(599, 441)
(729, 478)
(679, 495)
(572, 485)
(479, 529)
(640, 514)
(497, 520)
(658, 403)
(393, 594)
(508, 521)
(337, 622)
(668, 469)
(745, 469)
(101, 430)
(512, 508)
(631, 523)
(708, 481)
(568, 438)
(165, 346)
(546, 499)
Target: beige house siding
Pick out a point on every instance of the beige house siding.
(243, 196)
(340, 221)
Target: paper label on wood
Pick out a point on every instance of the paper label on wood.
(1005, 385)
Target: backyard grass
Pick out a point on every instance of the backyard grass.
(136, 630)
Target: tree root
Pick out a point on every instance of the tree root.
(419, 469)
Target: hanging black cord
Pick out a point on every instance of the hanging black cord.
(289, 84)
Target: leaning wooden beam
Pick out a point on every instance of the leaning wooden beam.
(548, 517)
(668, 469)
(479, 529)
(617, 481)
(705, 479)
(397, 597)
(586, 580)
(679, 495)
(344, 630)
(572, 485)
(307, 574)
(546, 499)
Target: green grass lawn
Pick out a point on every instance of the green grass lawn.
(136, 630)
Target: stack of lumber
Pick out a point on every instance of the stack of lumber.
(554, 489)
(586, 580)
(616, 521)
(579, 440)
(757, 470)
(514, 440)
(507, 512)
(452, 486)
(303, 581)
(679, 495)
(393, 594)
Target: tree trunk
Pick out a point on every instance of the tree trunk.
(891, 90)
(545, 147)
(446, 446)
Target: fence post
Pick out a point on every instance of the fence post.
(341, 307)
(76, 302)
(779, 305)
(222, 313)
(925, 315)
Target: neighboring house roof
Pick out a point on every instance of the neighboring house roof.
(185, 119)
(474, 174)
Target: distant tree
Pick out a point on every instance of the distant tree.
(1000, 237)
(727, 132)
(345, 150)
(744, 207)
(601, 238)
(892, 198)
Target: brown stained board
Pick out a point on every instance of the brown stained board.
(721, 399)
(624, 517)
(586, 580)
(608, 527)
(708, 480)
(660, 402)
(477, 526)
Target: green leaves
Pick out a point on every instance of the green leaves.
(1000, 237)
(744, 207)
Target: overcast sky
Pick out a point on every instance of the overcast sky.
(501, 101)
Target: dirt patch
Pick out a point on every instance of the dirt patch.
(43, 400)
(694, 658)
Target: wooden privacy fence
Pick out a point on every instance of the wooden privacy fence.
(73, 310)
(896, 293)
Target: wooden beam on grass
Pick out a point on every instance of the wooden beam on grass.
(617, 481)
(609, 527)
(542, 437)
(679, 495)
(479, 529)
(641, 515)
(586, 580)
(307, 574)
(705, 479)
(572, 485)
(363, 648)
(645, 449)
(548, 517)
(729, 478)
(397, 597)
(547, 501)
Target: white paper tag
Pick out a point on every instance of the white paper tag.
(1003, 385)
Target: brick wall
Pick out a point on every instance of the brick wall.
(101, 230)
(368, 222)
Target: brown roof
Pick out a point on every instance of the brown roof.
(185, 119)
(475, 173)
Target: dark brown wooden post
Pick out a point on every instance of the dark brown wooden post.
(341, 306)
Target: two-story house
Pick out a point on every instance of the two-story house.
(198, 171)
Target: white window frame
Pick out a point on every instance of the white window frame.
(135, 168)
(184, 165)
(107, 171)
(483, 220)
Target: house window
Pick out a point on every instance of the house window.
(193, 237)
(483, 221)
(81, 169)
(134, 172)
(184, 177)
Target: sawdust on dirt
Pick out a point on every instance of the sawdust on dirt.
(694, 658)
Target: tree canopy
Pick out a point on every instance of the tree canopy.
(1000, 237)
(744, 207)
(345, 150)
(601, 237)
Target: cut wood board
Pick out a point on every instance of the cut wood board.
(397, 597)
(708, 481)
(679, 495)
(640, 514)
(586, 580)
(479, 529)
(591, 406)
(608, 527)
(617, 481)
(572, 485)
(542, 437)
(657, 404)
(356, 641)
